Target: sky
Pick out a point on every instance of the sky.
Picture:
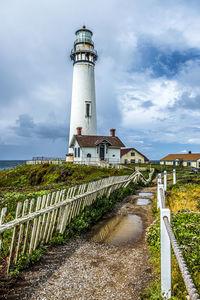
(147, 74)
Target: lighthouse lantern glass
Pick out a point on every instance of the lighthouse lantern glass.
(84, 36)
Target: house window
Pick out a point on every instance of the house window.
(88, 109)
(139, 161)
(75, 152)
(199, 164)
(132, 153)
(125, 161)
(89, 155)
(132, 161)
(188, 163)
(78, 151)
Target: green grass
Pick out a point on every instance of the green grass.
(28, 182)
(186, 227)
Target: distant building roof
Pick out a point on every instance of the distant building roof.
(93, 140)
(126, 150)
(187, 156)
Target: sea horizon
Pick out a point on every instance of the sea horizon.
(10, 163)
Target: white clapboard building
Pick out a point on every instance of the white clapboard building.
(94, 148)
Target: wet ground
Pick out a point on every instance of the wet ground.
(118, 230)
(109, 262)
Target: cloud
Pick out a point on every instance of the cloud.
(183, 151)
(26, 127)
(147, 74)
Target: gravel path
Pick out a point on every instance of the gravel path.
(84, 270)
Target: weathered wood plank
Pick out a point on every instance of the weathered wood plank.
(12, 246)
(35, 223)
(2, 220)
(39, 225)
(21, 230)
(44, 219)
(27, 227)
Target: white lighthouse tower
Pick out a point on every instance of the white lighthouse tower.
(83, 105)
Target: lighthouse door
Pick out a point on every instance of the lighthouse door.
(102, 152)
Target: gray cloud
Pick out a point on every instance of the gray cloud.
(26, 127)
(145, 73)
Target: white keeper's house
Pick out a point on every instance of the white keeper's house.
(95, 148)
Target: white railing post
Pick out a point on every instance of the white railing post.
(174, 176)
(159, 178)
(165, 256)
(165, 180)
(159, 199)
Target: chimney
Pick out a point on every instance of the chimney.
(112, 132)
(79, 129)
(189, 152)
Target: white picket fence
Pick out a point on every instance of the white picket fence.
(37, 220)
(168, 240)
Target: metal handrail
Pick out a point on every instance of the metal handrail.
(192, 291)
(84, 51)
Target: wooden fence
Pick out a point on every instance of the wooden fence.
(37, 220)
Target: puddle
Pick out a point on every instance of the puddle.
(119, 230)
(142, 201)
(145, 194)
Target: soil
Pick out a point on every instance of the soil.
(83, 269)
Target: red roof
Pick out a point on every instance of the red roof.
(126, 150)
(94, 140)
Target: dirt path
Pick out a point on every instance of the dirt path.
(83, 269)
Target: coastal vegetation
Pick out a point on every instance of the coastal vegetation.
(86, 218)
(184, 202)
(28, 182)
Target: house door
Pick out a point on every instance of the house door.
(102, 152)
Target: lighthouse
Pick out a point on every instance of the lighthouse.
(83, 104)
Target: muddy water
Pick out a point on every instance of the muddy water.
(145, 194)
(119, 230)
(142, 201)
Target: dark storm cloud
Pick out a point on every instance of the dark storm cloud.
(26, 127)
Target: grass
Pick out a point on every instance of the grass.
(28, 182)
(183, 201)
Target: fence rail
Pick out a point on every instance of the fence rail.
(37, 220)
(167, 240)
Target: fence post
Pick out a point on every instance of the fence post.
(165, 256)
(159, 178)
(165, 180)
(174, 176)
(159, 199)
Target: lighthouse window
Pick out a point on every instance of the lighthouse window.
(87, 110)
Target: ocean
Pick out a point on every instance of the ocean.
(7, 164)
